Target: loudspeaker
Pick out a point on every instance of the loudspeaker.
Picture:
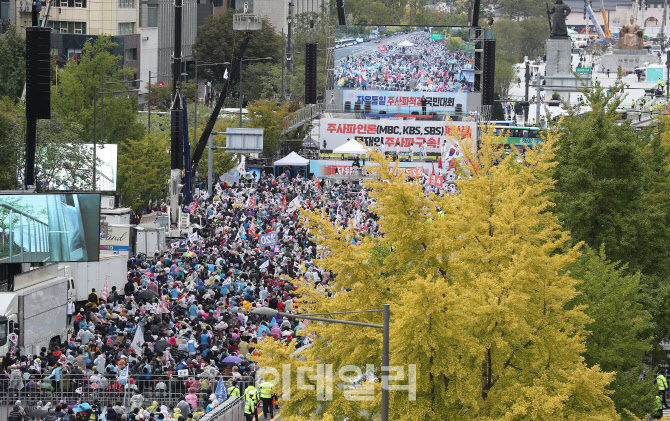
(176, 142)
(341, 17)
(489, 69)
(478, 66)
(38, 72)
(310, 73)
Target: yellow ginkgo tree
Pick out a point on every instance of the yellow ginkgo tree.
(478, 289)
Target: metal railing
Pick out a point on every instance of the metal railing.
(138, 390)
(37, 233)
(302, 116)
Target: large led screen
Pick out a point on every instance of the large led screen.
(49, 227)
(404, 59)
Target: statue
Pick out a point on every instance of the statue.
(631, 37)
(558, 14)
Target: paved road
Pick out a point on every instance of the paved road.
(365, 47)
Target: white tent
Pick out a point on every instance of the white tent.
(352, 147)
(406, 43)
(292, 160)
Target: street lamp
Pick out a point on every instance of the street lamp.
(266, 311)
(241, 61)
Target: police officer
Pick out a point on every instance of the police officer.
(632, 105)
(662, 384)
(234, 391)
(266, 396)
(658, 406)
(251, 393)
(249, 408)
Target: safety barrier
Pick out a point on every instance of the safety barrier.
(138, 390)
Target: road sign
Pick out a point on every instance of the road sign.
(435, 36)
(583, 70)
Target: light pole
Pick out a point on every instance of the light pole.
(266, 311)
(240, 94)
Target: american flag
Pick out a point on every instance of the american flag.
(105, 290)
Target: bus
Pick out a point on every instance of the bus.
(344, 42)
(519, 136)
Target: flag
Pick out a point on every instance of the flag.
(103, 414)
(252, 201)
(123, 375)
(283, 203)
(221, 393)
(138, 340)
(439, 163)
(105, 290)
(225, 74)
(433, 164)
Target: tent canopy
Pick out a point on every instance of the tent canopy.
(352, 147)
(292, 160)
(406, 44)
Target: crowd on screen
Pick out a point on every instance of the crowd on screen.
(427, 66)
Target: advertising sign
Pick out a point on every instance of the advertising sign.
(406, 102)
(434, 135)
(436, 180)
(117, 239)
(269, 239)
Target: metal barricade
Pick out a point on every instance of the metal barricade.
(138, 390)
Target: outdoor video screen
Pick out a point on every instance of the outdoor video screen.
(404, 58)
(49, 227)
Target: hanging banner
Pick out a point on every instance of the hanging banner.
(405, 102)
(408, 135)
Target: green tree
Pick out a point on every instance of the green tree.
(72, 100)
(621, 332)
(270, 116)
(161, 95)
(144, 169)
(599, 176)
(13, 65)
(521, 8)
(217, 41)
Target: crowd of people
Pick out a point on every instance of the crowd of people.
(183, 324)
(425, 66)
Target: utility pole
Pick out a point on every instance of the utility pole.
(537, 101)
(527, 76)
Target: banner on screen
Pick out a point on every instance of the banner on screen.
(326, 168)
(405, 102)
(50, 227)
(436, 136)
(268, 240)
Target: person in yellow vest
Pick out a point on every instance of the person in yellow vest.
(658, 406)
(266, 396)
(662, 384)
(632, 105)
(249, 409)
(251, 393)
(234, 391)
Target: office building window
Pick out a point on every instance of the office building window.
(70, 3)
(126, 4)
(4, 9)
(67, 27)
(152, 16)
(126, 28)
(130, 54)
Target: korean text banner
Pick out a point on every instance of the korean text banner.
(328, 168)
(436, 135)
(406, 102)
